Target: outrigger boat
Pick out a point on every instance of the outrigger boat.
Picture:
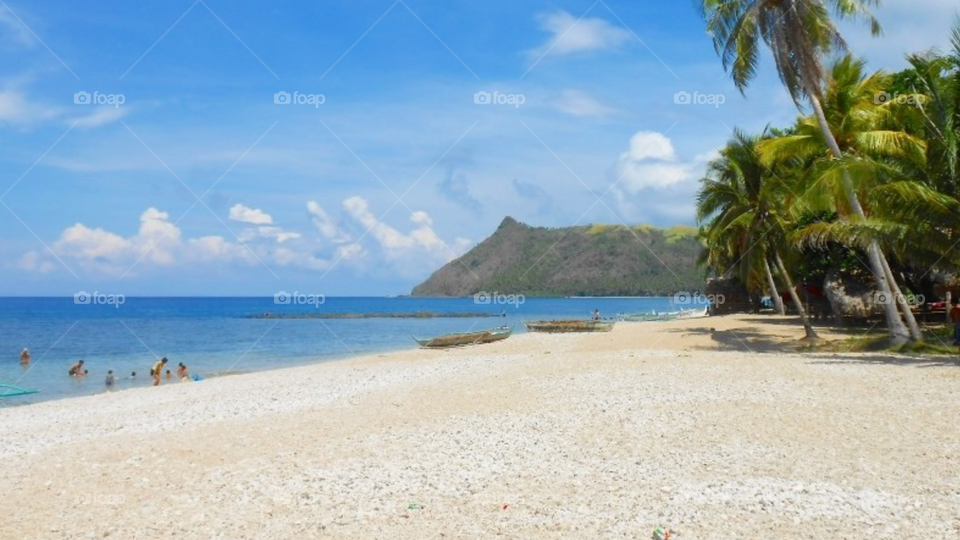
(666, 315)
(569, 325)
(9, 390)
(462, 339)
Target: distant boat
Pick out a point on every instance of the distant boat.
(569, 325)
(462, 339)
(666, 315)
(9, 390)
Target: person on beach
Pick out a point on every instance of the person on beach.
(169, 375)
(110, 379)
(596, 314)
(157, 370)
(955, 317)
(76, 370)
(24, 356)
(182, 373)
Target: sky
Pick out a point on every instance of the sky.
(207, 147)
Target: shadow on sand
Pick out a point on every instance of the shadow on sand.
(745, 339)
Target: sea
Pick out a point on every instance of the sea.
(216, 336)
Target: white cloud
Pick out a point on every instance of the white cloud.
(580, 103)
(569, 36)
(102, 115)
(246, 214)
(15, 108)
(649, 145)
(420, 242)
(325, 225)
(160, 243)
(32, 262)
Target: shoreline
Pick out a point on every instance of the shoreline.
(538, 436)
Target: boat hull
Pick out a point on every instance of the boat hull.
(466, 338)
(569, 326)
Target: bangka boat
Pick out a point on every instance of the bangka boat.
(9, 390)
(462, 339)
(569, 325)
(666, 315)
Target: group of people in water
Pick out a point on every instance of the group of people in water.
(158, 371)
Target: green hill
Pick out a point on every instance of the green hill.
(591, 260)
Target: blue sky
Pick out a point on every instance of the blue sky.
(200, 184)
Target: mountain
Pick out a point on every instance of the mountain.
(591, 260)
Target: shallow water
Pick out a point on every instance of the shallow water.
(215, 335)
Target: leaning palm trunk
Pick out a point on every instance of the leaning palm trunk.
(811, 333)
(774, 295)
(898, 332)
(901, 301)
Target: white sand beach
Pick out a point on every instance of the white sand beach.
(724, 434)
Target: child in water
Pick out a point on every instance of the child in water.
(110, 378)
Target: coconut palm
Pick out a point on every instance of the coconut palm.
(799, 33)
(875, 150)
(742, 220)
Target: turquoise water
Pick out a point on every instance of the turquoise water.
(215, 335)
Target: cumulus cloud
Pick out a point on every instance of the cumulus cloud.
(325, 224)
(245, 214)
(568, 36)
(421, 242)
(158, 242)
(651, 162)
(580, 103)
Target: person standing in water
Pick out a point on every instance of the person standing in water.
(158, 370)
(76, 370)
(24, 356)
(110, 379)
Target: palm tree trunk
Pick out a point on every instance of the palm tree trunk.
(898, 332)
(774, 295)
(811, 333)
(901, 301)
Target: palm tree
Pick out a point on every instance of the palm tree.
(872, 143)
(742, 221)
(799, 33)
